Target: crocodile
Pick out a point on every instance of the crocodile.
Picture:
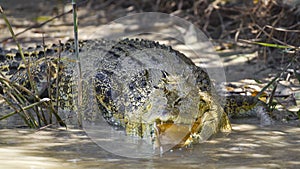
(142, 87)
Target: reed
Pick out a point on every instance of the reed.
(26, 102)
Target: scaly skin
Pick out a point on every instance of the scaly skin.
(140, 86)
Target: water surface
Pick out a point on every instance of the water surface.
(248, 146)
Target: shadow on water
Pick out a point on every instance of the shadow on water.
(248, 146)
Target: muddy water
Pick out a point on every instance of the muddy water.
(248, 146)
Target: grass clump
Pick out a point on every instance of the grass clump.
(26, 102)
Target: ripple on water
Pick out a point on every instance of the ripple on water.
(250, 146)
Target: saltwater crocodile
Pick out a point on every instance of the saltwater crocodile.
(140, 86)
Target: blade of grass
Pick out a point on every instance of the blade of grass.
(25, 117)
(275, 78)
(57, 70)
(269, 44)
(25, 108)
(272, 45)
(75, 23)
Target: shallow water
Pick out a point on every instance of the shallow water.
(248, 146)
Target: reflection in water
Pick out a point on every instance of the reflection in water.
(248, 145)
